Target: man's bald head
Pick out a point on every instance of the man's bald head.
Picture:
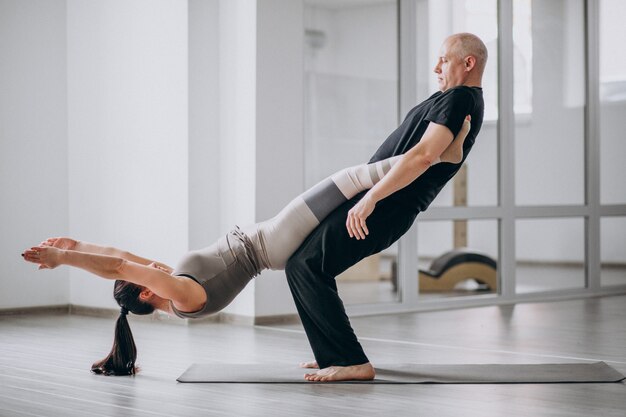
(468, 44)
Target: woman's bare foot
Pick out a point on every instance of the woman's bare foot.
(310, 365)
(364, 372)
(454, 152)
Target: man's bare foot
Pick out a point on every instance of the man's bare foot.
(362, 372)
(310, 365)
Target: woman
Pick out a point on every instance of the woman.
(207, 280)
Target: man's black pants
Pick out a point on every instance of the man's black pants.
(327, 252)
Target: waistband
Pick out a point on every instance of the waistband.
(225, 249)
(253, 261)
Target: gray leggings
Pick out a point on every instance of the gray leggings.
(226, 267)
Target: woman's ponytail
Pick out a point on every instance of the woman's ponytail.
(121, 359)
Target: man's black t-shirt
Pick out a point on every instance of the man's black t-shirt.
(447, 108)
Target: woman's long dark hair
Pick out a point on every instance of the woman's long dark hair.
(121, 359)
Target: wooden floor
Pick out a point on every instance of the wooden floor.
(44, 365)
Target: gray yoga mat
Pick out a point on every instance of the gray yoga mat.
(412, 373)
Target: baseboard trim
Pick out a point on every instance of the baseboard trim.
(237, 319)
(38, 310)
(79, 310)
(277, 319)
(113, 313)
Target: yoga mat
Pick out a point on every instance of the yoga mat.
(412, 373)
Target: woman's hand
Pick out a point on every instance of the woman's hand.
(60, 243)
(355, 223)
(161, 267)
(47, 257)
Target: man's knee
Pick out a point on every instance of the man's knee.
(295, 266)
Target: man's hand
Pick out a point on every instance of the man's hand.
(60, 243)
(413, 163)
(47, 257)
(355, 222)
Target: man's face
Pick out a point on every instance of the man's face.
(450, 69)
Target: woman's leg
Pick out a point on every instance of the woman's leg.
(283, 234)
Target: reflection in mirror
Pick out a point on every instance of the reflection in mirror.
(373, 280)
(550, 254)
(350, 108)
(549, 101)
(612, 101)
(457, 258)
(613, 251)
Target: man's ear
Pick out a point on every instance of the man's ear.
(145, 294)
(470, 63)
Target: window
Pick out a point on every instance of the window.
(351, 106)
(612, 101)
(550, 134)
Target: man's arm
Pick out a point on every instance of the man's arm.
(413, 163)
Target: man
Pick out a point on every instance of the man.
(377, 218)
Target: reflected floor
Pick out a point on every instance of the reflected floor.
(530, 279)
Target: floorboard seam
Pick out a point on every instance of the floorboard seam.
(404, 342)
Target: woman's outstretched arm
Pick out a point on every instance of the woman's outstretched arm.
(80, 246)
(183, 292)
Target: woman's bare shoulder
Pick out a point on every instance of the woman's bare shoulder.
(195, 295)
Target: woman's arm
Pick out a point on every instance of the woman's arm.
(79, 246)
(181, 291)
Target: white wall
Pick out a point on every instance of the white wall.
(33, 147)
(279, 130)
(237, 124)
(351, 85)
(260, 128)
(161, 99)
(204, 113)
(127, 129)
